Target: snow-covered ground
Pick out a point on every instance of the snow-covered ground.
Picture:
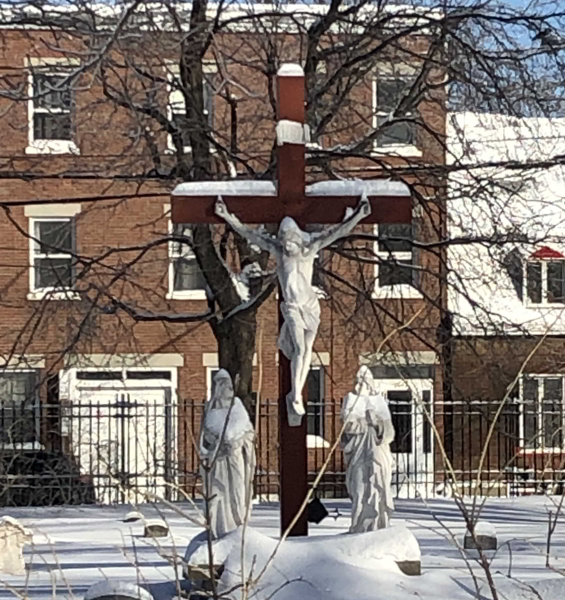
(74, 547)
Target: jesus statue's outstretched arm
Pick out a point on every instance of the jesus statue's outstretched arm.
(350, 221)
(255, 236)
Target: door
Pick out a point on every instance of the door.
(122, 442)
(409, 401)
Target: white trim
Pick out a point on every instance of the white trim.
(126, 360)
(52, 294)
(172, 68)
(209, 371)
(46, 146)
(407, 358)
(51, 146)
(187, 253)
(210, 359)
(406, 150)
(24, 446)
(52, 209)
(51, 61)
(316, 441)
(399, 290)
(24, 362)
(320, 359)
(539, 413)
(544, 291)
(48, 292)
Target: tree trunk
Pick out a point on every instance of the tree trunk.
(236, 347)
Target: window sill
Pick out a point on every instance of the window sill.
(406, 150)
(23, 446)
(315, 441)
(53, 295)
(542, 450)
(400, 292)
(52, 147)
(187, 295)
(558, 305)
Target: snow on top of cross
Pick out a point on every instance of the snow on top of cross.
(355, 187)
(290, 70)
(240, 187)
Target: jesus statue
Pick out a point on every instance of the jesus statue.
(295, 251)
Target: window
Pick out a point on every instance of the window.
(52, 249)
(51, 112)
(19, 409)
(177, 106)
(394, 272)
(541, 399)
(387, 95)
(545, 281)
(185, 278)
(315, 402)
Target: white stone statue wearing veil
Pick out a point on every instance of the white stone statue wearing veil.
(367, 435)
(295, 251)
(227, 457)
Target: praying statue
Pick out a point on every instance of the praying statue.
(367, 435)
(295, 251)
(227, 457)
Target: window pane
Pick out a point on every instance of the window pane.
(180, 248)
(555, 281)
(314, 405)
(395, 230)
(395, 134)
(390, 92)
(51, 91)
(427, 428)
(400, 404)
(181, 121)
(394, 273)
(18, 408)
(52, 126)
(55, 237)
(552, 414)
(530, 396)
(534, 282)
(187, 275)
(54, 273)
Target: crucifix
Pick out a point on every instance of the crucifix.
(293, 204)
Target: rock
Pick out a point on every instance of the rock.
(13, 537)
(133, 516)
(485, 536)
(410, 567)
(117, 590)
(156, 528)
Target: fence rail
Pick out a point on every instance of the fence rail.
(125, 448)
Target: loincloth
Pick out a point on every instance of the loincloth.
(305, 316)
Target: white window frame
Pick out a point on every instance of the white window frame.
(45, 146)
(544, 302)
(539, 414)
(173, 72)
(408, 150)
(37, 445)
(314, 441)
(399, 290)
(187, 253)
(52, 293)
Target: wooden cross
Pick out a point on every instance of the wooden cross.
(269, 202)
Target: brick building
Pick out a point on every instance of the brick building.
(96, 366)
(506, 350)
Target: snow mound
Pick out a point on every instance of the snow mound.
(113, 588)
(330, 564)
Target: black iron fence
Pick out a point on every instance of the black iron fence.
(123, 448)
